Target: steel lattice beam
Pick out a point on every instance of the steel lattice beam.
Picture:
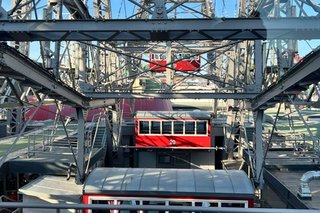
(38, 76)
(176, 95)
(161, 30)
(294, 81)
(19, 65)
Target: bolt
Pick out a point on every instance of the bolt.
(159, 10)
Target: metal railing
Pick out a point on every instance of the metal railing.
(98, 119)
(43, 141)
(81, 207)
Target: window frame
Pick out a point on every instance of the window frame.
(166, 201)
(206, 122)
(171, 127)
(139, 127)
(174, 129)
(151, 128)
(194, 127)
(206, 125)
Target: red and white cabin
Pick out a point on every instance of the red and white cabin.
(167, 187)
(184, 62)
(178, 129)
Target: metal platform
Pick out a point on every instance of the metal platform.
(43, 153)
(51, 189)
(282, 177)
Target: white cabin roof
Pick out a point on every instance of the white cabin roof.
(154, 181)
(174, 114)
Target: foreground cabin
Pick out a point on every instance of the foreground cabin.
(168, 187)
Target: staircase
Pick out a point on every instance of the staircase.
(249, 131)
(65, 143)
(99, 140)
(100, 137)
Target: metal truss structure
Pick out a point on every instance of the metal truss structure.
(88, 58)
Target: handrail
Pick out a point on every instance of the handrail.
(92, 145)
(98, 116)
(59, 206)
(246, 141)
(96, 131)
(4, 198)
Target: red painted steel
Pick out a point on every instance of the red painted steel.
(143, 105)
(48, 111)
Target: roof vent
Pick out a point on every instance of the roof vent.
(304, 190)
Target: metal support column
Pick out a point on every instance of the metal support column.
(259, 153)
(47, 15)
(169, 72)
(56, 65)
(258, 56)
(81, 146)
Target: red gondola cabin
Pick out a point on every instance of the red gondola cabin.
(167, 187)
(184, 62)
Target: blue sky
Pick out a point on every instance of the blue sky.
(121, 8)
